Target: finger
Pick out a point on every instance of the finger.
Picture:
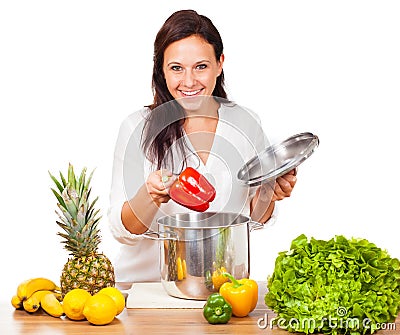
(165, 173)
(284, 183)
(277, 195)
(155, 186)
(167, 181)
(167, 178)
(158, 181)
(292, 172)
(159, 190)
(283, 188)
(290, 178)
(162, 199)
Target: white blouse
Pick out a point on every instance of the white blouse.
(238, 138)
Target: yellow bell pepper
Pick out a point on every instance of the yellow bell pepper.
(242, 294)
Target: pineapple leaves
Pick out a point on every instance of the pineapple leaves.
(59, 197)
(71, 177)
(80, 217)
(89, 180)
(59, 186)
(70, 205)
(77, 215)
(64, 182)
(82, 180)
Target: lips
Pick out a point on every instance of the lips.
(191, 93)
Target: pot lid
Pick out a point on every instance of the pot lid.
(278, 159)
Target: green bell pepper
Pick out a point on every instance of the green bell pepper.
(217, 309)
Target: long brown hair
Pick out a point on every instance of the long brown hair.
(164, 125)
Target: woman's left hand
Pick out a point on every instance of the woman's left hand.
(262, 205)
(280, 189)
(284, 185)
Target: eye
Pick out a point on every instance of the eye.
(176, 68)
(201, 66)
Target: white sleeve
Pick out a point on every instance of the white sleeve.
(127, 175)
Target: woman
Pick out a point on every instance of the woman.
(190, 123)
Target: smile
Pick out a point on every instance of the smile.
(191, 93)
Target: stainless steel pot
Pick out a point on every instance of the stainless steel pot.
(194, 245)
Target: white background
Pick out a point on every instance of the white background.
(70, 71)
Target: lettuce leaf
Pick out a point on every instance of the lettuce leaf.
(339, 286)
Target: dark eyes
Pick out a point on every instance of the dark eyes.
(176, 68)
(201, 66)
(179, 68)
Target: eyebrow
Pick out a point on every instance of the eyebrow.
(199, 62)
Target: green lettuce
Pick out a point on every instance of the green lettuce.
(340, 286)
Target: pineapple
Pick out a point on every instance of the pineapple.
(87, 268)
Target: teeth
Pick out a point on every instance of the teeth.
(191, 92)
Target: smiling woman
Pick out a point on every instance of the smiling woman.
(191, 68)
(190, 123)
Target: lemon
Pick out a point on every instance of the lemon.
(116, 295)
(100, 309)
(73, 303)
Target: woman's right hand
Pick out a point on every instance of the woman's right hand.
(158, 184)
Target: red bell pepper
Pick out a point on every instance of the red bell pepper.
(197, 184)
(192, 190)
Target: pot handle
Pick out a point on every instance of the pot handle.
(254, 225)
(168, 235)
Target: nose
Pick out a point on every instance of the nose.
(188, 79)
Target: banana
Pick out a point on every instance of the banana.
(16, 302)
(51, 305)
(21, 289)
(30, 286)
(32, 304)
